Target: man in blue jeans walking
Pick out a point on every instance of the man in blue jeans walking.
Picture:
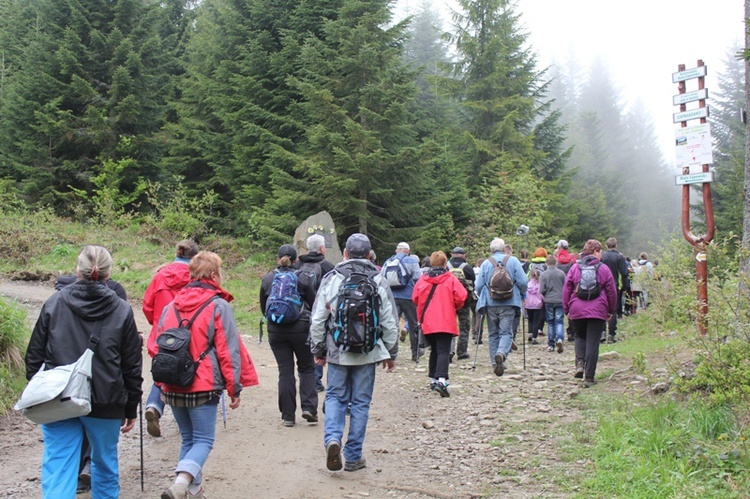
(500, 313)
(351, 375)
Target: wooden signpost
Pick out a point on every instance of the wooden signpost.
(694, 148)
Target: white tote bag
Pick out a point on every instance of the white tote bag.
(60, 393)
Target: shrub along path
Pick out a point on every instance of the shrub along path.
(494, 437)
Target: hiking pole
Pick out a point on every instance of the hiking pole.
(140, 414)
(260, 326)
(477, 340)
(224, 410)
(523, 336)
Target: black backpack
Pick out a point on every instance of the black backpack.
(588, 287)
(173, 363)
(356, 326)
(314, 270)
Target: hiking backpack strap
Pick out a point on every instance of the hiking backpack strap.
(189, 324)
(427, 303)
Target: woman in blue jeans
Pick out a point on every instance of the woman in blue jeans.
(68, 320)
(226, 365)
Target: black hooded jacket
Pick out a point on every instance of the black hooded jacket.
(67, 321)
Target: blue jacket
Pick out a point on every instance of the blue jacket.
(411, 264)
(520, 281)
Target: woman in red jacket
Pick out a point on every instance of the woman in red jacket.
(227, 366)
(165, 284)
(438, 295)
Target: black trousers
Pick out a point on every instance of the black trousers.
(285, 347)
(440, 354)
(409, 310)
(588, 336)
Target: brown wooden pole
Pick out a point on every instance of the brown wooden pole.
(699, 243)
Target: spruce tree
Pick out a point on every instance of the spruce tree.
(361, 160)
(728, 132)
(86, 90)
(512, 138)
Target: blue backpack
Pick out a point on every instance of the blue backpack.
(284, 304)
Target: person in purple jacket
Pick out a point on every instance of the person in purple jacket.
(589, 316)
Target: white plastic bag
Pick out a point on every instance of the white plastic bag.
(60, 393)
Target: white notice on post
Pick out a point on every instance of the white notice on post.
(693, 145)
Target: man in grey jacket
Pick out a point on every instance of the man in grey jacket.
(351, 375)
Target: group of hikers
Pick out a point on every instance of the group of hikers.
(345, 317)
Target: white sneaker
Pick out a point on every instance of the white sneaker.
(176, 491)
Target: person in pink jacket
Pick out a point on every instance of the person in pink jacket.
(226, 365)
(589, 312)
(438, 295)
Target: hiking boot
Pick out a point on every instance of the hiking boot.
(355, 465)
(579, 369)
(559, 345)
(611, 339)
(464, 356)
(289, 424)
(530, 338)
(589, 382)
(84, 479)
(603, 339)
(442, 389)
(550, 349)
(450, 357)
(310, 417)
(176, 491)
(499, 367)
(571, 339)
(152, 422)
(534, 342)
(402, 336)
(513, 345)
(333, 455)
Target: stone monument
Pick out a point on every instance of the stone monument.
(320, 223)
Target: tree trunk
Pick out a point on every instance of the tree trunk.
(746, 190)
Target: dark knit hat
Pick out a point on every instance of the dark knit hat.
(458, 250)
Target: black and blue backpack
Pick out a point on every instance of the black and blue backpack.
(356, 326)
(284, 303)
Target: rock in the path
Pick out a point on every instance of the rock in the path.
(428, 425)
(609, 355)
(660, 387)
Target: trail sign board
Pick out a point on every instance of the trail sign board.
(693, 145)
(690, 96)
(701, 112)
(694, 178)
(689, 74)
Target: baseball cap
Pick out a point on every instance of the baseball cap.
(288, 250)
(562, 243)
(358, 246)
(458, 250)
(403, 245)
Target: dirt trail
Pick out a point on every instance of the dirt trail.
(493, 436)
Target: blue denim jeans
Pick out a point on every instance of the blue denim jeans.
(556, 322)
(348, 384)
(154, 400)
(62, 452)
(500, 330)
(198, 427)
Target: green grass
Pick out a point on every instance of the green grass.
(14, 334)
(662, 449)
